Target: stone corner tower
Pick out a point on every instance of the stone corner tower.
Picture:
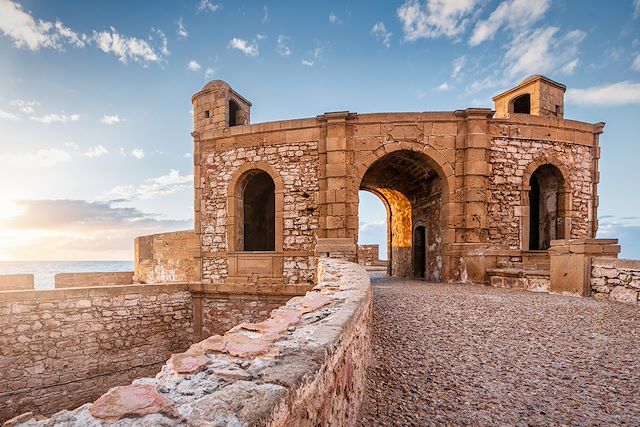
(536, 95)
(218, 106)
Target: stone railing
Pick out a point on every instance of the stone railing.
(16, 282)
(166, 258)
(304, 365)
(84, 280)
(615, 279)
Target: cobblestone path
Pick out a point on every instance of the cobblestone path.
(474, 355)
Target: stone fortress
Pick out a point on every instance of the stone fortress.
(505, 197)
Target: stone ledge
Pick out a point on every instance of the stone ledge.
(303, 365)
(631, 264)
(83, 292)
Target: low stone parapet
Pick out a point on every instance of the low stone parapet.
(83, 280)
(518, 278)
(615, 279)
(16, 282)
(305, 365)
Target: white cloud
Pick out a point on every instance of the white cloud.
(380, 31)
(636, 8)
(25, 31)
(209, 72)
(5, 115)
(182, 32)
(514, 14)
(261, 36)
(96, 151)
(443, 87)
(42, 158)
(71, 145)
(436, 18)
(187, 155)
(622, 93)
(541, 51)
(138, 153)
(372, 225)
(249, 49)
(636, 62)
(458, 63)
(207, 6)
(164, 45)
(284, 48)
(125, 48)
(111, 120)
(56, 118)
(307, 63)
(154, 187)
(315, 56)
(265, 16)
(24, 106)
(194, 66)
(333, 18)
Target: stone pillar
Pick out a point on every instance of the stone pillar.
(335, 234)
(571, 263)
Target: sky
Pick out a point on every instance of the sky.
(95, 97)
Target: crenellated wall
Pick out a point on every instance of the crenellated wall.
(305, 365)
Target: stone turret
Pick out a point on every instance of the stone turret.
(536, 95)
(218, 106)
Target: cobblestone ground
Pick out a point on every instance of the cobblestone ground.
(474, 355)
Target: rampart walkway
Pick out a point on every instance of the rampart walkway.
(475, 355)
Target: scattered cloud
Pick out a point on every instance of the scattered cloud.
(207, 6)
(284, 46)
(380, 31)
(636, 8)
(138, 153)
(458, 64)
(333, 18)
(541, 51)
(194, 66)
(25, 31)
(96, 151)
(5, 115)
(71, 145)
(313, 57)
(125, 48)
(42, 158)
(56, 118)
(249, 49)
(111, 120)
(435, 18)
(152, 188)
(635, 65)
(182, 32)
(187, 155)
(265, 15)
(376, 225)
(164, 45)
(513, 14)
(307, 63)
(443, 87)
(24, 106)
(611, 95)
(261, 36)
(209, 72)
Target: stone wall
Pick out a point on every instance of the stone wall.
(75, 280)
(615, 279)
(16, 282)
(61, 348)
(305, 365)
(166, 258)
(369, 256)
(514, 149)
(295, 166)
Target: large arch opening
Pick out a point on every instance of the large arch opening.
(412, 191)
(547, 207)
(521, 104)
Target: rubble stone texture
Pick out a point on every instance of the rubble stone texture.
(616, 280)
(469, 355)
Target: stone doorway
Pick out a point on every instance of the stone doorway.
(412, 192)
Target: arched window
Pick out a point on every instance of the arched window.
(234, 109)
(258, 212)
(547, 207)
(522, 104)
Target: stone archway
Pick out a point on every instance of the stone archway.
(410, 184)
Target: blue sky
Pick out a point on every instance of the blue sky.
(95, 97)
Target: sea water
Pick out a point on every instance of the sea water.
(44, 271)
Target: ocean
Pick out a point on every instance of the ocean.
(43, 271)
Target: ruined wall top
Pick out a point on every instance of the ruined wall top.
(536, 95)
